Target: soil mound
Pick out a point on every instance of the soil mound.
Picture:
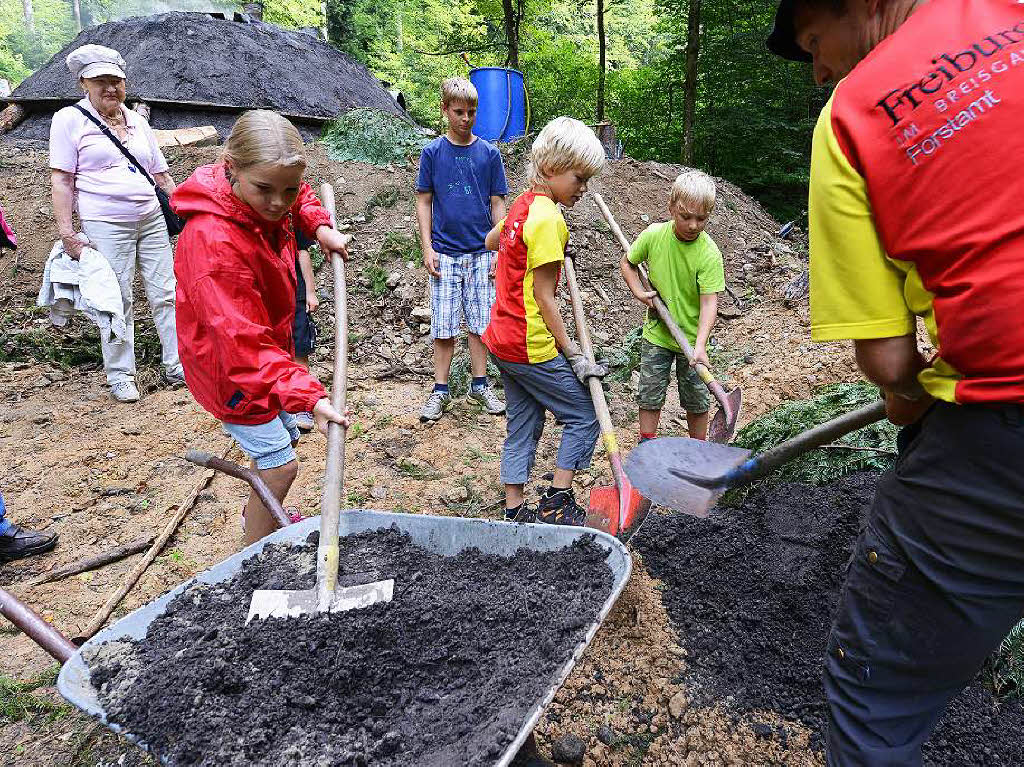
(752, 591)
(228, 65)
(444, 674)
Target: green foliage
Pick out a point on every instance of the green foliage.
(623, 359)
(292, 14)
(20, 48)
(18, 703)
(12, 67)
(1003, 671)
(819, 467)
(400, 246)
(77, 344)
(461, 374)
(373, 136)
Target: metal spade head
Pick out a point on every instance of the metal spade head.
(291, 604)
(682, 473)
(618, 513)
(723, 425)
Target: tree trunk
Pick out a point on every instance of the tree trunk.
(30, 23)
(690, 87)
(512, 10)
(602, 50)
(399, 32)
(76, 12)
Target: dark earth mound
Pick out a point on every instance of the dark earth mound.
(445, 674)
(752, 591)
(194, 57)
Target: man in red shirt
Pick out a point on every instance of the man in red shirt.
(915, 212)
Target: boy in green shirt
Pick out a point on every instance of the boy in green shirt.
(686, 269)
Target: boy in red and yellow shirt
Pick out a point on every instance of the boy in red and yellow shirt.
(541, 368)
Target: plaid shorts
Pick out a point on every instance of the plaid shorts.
(465, 288)
(655, 373)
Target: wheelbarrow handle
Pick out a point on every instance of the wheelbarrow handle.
(38, 630)
(210, 461)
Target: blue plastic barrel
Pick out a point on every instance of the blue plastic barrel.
(502, 114)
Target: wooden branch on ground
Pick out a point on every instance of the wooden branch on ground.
(92, 561)
(169, 529)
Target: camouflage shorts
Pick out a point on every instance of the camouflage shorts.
(655, 371)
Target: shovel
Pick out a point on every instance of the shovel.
(689, 475)
(723, 426)
(616, 510)
(326, 596)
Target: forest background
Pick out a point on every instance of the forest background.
(682, 80)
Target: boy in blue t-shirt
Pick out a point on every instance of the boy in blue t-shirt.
(460, 195)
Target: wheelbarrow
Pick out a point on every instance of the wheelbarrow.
(445, 535)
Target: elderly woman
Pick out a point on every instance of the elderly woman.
(117, 206)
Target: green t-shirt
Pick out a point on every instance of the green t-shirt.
(681, 272)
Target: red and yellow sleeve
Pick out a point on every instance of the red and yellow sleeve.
(856, 291)
(544, 233)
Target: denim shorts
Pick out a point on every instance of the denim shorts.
(269, 444)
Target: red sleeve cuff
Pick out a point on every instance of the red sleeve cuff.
(313, 221)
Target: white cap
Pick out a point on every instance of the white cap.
(95, 61)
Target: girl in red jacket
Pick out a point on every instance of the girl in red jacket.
(235, 267)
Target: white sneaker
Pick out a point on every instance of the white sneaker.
(489, 399)
(124, 391)
(304, 422)
(436, 404)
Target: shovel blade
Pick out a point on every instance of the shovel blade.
(649, 464)
(723, 425)
(293, 604)
(615, 513)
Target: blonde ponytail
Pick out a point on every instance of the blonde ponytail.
(262, 137)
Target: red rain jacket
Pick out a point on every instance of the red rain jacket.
(236, 301)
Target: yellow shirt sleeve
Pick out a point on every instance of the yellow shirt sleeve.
(856, 291)
(544, 233)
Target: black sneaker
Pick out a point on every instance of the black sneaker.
(521, 513)
(559, 507)
(20, 542)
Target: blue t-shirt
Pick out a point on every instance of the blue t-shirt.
(463, 179)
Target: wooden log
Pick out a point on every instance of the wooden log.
(92, 561)
(133, 577)
(11, 116)
(205, 135)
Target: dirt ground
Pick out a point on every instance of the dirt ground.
(100, 473)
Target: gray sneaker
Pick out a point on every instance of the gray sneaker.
(436, 404)
(124, 391)
(304, 422)
(489, 399)
(173, 380)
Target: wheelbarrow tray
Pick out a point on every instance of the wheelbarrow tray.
(444, 535)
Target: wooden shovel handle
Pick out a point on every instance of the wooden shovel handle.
(604, 417)
(334, 477)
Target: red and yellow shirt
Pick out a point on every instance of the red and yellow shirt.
(916, 204)
(532, 234)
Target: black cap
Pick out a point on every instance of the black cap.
(782, 40)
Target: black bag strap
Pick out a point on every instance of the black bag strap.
(117, 142)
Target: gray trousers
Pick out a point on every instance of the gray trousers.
(145, 242)
(530, 390)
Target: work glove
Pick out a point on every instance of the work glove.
(581, 366)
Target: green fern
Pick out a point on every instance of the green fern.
(822, 466)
